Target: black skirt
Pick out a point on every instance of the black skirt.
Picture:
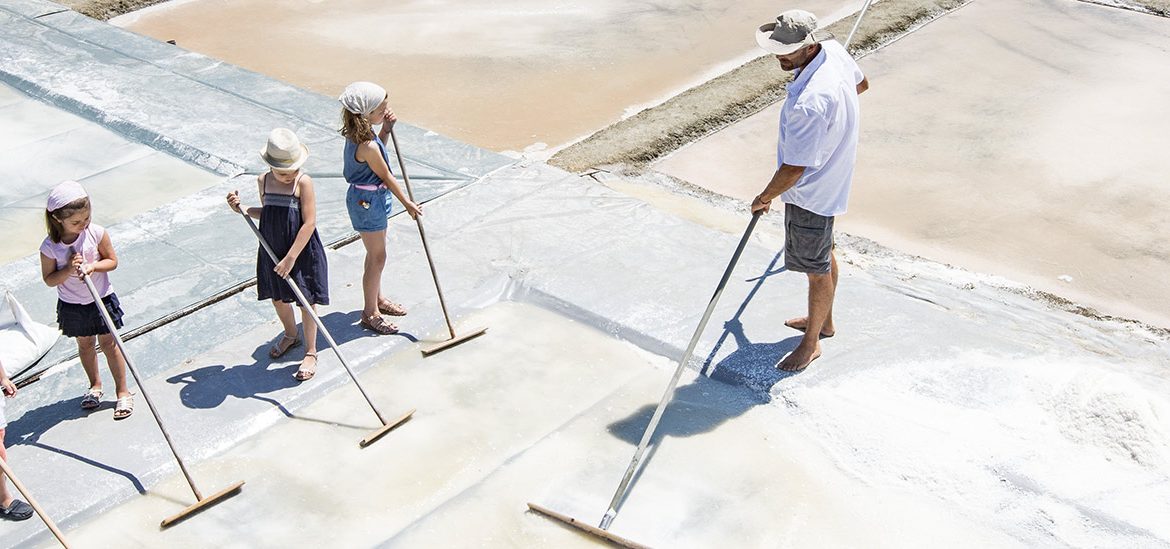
(86, 320)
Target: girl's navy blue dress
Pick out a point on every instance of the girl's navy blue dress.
(280, 221)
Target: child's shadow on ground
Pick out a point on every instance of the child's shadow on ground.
(209, 386)
(27, 431)
(345, 327)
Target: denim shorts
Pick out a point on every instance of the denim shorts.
(808, 240)
(368, 210)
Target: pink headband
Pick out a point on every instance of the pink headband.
(63, 194)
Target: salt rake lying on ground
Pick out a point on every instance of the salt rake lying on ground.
(28, 496)
(602, 530)
(201, 502)
(308, 309)
(455, 340)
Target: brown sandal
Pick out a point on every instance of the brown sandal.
(304, 374)
(378, 324)
(387, 307)
(283, 345)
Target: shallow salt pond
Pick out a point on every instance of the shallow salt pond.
(502, 75)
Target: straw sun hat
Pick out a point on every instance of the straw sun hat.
(284, 150)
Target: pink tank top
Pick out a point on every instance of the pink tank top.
(74, 290)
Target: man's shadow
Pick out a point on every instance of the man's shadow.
(27, 431)
(751, 365)
(746, 377)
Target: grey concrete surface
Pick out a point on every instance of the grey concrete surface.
(42, 146)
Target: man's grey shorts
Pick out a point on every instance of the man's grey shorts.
(808, 240)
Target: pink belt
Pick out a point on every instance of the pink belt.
(366, 187)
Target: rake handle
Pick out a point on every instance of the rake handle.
(36, 507)
(422, 233)
(611, 513)
(308, 309)
(101, 307)
(857, 24)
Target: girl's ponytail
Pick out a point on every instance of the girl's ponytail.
(355, 127)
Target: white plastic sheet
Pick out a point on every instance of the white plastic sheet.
(23, 340)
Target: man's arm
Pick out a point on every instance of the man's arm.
(784, 178)
(863, 85)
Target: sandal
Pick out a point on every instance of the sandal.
(305, 374)
(281, 347)
(387, 307)
(17, 510)
(378, 324)
(124, 407)
(92, 399)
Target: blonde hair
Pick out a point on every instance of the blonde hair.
(54, 219)
(356, 128)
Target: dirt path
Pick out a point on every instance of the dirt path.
(106, 9)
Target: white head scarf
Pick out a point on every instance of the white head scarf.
(362, 97)
(63, 194)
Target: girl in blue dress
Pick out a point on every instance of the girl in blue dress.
(288, 222)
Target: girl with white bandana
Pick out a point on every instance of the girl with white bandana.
(371, 186)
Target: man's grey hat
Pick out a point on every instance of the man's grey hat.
(793, 29)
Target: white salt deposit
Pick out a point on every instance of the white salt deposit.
(1047, 449)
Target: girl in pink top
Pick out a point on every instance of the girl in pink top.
(75, 246)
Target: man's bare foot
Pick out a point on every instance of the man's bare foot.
(800, 358)
(802, 325)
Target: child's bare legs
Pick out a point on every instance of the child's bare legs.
(284, 312)
(5, 496)
(372, 319)
(115, 361)
(375, 244)
(87, 351)
(310, 329)
(308, 367)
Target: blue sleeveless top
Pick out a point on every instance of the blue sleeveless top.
(360, 173)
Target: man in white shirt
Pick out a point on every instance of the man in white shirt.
(814, 158)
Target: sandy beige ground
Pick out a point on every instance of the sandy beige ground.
(501, 76)
(1032, 158)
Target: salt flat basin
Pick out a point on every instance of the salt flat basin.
(42, 146)
(962, 452)
(1024, 160)
(501, 75)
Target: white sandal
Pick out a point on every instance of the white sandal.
(124, 407)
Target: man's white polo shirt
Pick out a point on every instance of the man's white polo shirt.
(818, 130)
